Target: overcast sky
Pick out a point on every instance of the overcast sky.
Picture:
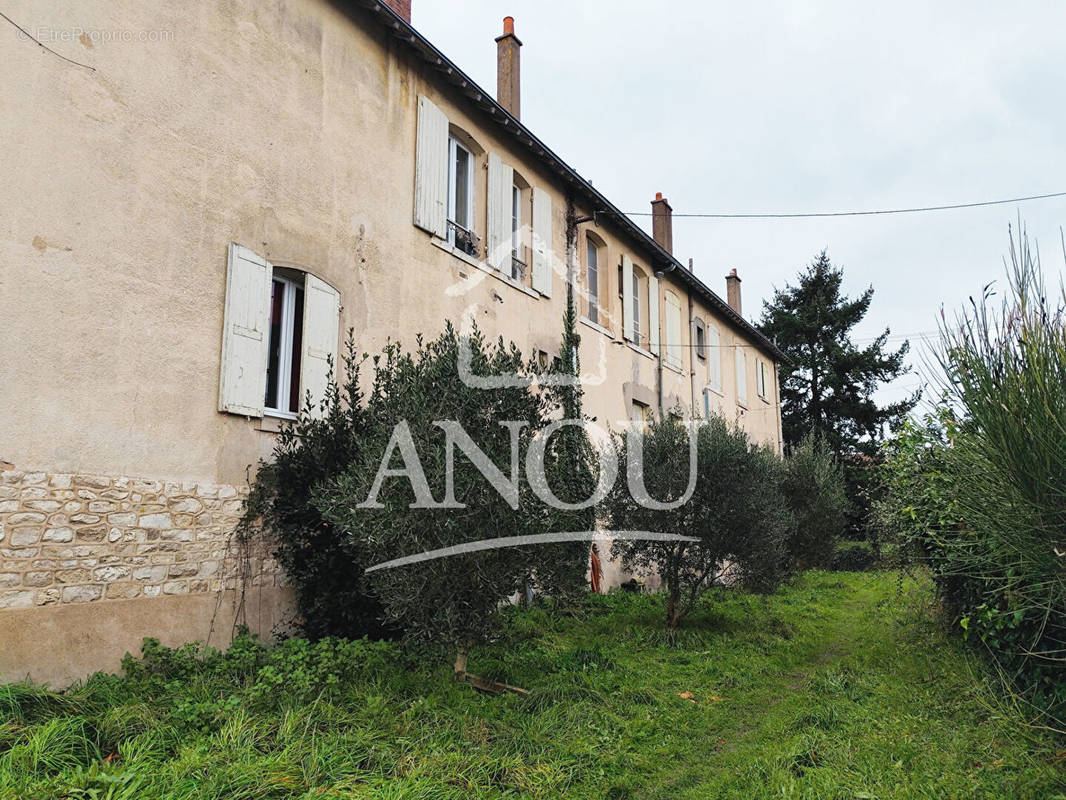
(795, 107)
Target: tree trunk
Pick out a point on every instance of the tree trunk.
(673, 610)
(460, 662)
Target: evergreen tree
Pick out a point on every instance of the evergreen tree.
(571, 471)
(827, 389)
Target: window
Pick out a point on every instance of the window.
(760, 379)
(280, 333)
(714, 359)
(701, 339)
(641, 412)
(518, 264)
(461, 197)
(742, 376)
(592, 278)
(286, 343)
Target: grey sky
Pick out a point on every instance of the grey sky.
(801, 106)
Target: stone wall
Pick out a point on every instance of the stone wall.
(70, 538)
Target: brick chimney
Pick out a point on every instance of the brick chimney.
(508, 77)
(402, 9)
(732, 290)
(662, 223)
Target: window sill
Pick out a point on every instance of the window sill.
(596, 327)
(742, 404)
(482, 267)
(765, 400)
(636, 348)
(273, 421)
(673, 367)
(714, 390)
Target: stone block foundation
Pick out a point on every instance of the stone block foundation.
(70, 538)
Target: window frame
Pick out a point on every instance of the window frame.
(700, 331)
(518, 263)
(592, 279)
(645, 412)
(454, 146)
(760, 379)
(288, 357)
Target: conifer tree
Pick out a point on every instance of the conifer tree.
(827, 391)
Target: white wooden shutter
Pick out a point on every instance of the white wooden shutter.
(742, 375)
(245, 333)
(673, 329)
(322, 308)
(714, 358)
(431, 169)
(627, 298)
(542, 242)
(501, 184)
(654, 343)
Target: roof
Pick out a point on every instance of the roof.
(660, 258)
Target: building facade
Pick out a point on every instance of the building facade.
(194, 215)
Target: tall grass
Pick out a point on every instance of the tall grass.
(1005, 559)
(828, 688)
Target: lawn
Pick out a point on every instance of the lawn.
(840, 685)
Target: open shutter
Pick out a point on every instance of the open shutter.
(245, 333)
(431, 169)
(714, 358)
(501, 183)
(654, 342)
(542, 242)
(627, 298)
(742, 375)
(322, 308)
(673, 329)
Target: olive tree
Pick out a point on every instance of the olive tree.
(736, 515)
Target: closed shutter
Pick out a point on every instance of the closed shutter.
(673, 329)
(627, 298)
(542, 242)
(245, 333)
(431, 169)
(742, 375)
(653, 315)
(322, 308)
(761, 379)
(714, 358)
(501, 183)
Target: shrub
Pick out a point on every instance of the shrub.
(325, 572)
(979, 491)
(814, 487)
(736, 512)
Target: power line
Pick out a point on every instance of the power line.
(861, 213)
